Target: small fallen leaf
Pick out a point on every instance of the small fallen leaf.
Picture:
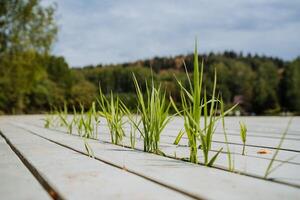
(263, 151)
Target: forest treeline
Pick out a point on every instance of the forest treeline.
(261, 85)
(34, 81)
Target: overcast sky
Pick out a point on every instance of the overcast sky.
(115, 31)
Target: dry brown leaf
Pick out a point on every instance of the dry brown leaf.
(263, 151)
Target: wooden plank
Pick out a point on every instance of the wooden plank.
(237, 149)
(252, 165)
(167, 139)
(77, 176)
(198, 180)
(263, 126)
(289, 144)
(16, 181)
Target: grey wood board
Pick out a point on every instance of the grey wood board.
(167, 139)
(16, 181)
(77, 176)
(206, 182)
(253, 165)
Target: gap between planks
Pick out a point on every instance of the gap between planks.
(47, 187)
(171, 157)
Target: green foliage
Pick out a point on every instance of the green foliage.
(265, 89)
(26, 25)
(27, 31)
(291, 86)
(83, 93)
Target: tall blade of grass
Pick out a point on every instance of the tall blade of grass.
(243, 134)
(178, 138)
(48, 121)
(189, 94)
(269, 168)
(132, 137)
(230, 161)
(282, 163)
(187, 75)
(213, 159)
(197, 87)
(88, 148)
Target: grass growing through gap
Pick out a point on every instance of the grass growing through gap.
(52, 119)
(229, 158)
(63, 119)
(269, 169)
(243, 134)
(194, 106)
(63, 115)
(48, 121)
(89, 122)
(132, 136)
(154, 115)
(88, 148)
(79, 120)
(112, 110)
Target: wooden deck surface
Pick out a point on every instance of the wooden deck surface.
(40, 163)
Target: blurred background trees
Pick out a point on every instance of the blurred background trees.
(34, 81)
(27, 31)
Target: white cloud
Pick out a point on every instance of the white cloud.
(109, 31)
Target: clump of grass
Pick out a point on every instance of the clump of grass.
(96, 117)
(89, 122)
(193, 107)
(243, 134)
(79, 120)
(63, 119)
(154, 115)
(112, 110)
(63, 115)
(269, 169)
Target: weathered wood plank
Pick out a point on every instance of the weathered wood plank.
(205, 182)
(167, 140)
(252, 165)
(77, 176)
(16, 181)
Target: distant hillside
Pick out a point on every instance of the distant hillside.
(262, 85)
